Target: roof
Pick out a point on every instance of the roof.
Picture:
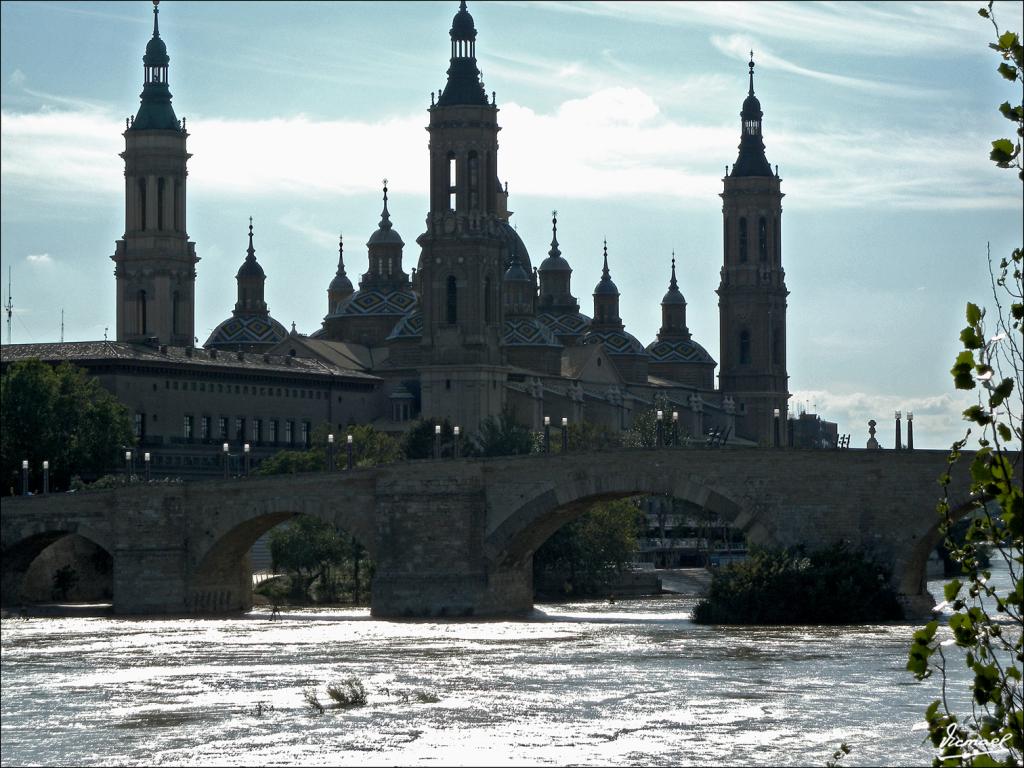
(678, 351)
(527, 332)
(85, 352)
(343, 354)
(565, 324)
(616, 342)
(373, 301)
(246, 329)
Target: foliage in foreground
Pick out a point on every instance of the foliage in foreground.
(315, 554)
(835, 585)
(61, 415)
(985, 623)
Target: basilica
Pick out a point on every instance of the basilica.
(466, 327)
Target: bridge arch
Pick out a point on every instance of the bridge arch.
(514, 538)
(222, 581)
(19, 554)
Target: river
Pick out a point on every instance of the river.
(580, 683)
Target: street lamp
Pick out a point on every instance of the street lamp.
(547, 434)
(437, 441)
(225, 450)
(659, 415)
(776, 412)
(145, 458)
(128, 465)
(46, 477)
(348, 447)
(245, 450)
(330, 453)
(458, 441)
(675, 428)
(24, 477)
(565, 435)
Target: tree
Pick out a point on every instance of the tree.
(369, 448)
(588, 551)
(62, 415)
(418, 442)
(503, 436)
(307, 548)
(992, 731)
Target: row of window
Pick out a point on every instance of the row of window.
(776, 354)
(762, 238)
(288, 431)
(244, 389)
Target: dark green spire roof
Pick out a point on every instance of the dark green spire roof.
(751, 160)
(464, 86)
(155, 111)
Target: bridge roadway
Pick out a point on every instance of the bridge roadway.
(456, 538)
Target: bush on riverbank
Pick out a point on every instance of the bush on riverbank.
(836, 585)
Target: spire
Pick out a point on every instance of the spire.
(250, 253)
(673, 310)
(341, 257)
(464, 86)
(554, 252)
(606, 286)
(340, 287)
(751, 160)
(672, 284)
(250, 279)
(385, 235)
(385, 217)
(155, 111)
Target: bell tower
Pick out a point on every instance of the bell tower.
(752, 293)
(155, 261)
(465, 249)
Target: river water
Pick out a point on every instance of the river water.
(579, 683)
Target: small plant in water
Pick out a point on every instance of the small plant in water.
(260, 709)
(427, 697)
(313, 701)
(348, 693)
(838, 755)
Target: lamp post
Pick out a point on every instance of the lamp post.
(565, 435)
(547, 434)
(128, 465)
(145, 458)
(24, 477)
(46, 477)
(225, 448)
(330, 453)
(659, 438)
(245, 450)
(437, 441)
(910, 430)
(458, 446)
(899, 432)
(776, 413)
(675, 428)
(348, 447)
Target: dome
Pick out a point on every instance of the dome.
(514, 245)
(673, 297)
(340, 284)
(156, 53)
(463, 27)
(373, 302)
(606, 288)
(751, 106)
(527, 332)
(555, 264)
(565, 324)
(678, 351)
(245, 331)
(385, 233)
(515, 273)
(615, 342)
(250, 268)
(409, 327)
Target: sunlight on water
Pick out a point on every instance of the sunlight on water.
(593, 683)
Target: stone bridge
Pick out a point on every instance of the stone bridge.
(456, 538)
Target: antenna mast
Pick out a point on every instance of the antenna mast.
(62, 325)
(9, 306)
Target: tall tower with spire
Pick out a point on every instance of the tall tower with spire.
(467, 247)
(752, 293)
(155, 261)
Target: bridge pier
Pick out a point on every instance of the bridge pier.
(486, 593)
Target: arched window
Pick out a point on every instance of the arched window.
(473, 164)
(177, 205)
(743, 239)
(160, 203)
(176, 312)
(142, 203)
(451, 180)
(744, 347)
(487, 300)
(762, 239)
(140, 311)
(452, 303)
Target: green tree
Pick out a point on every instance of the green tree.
(369, 448)
(590, 550)
(307, 549)
(503, 436)
(418, 442)
(992, 648)
(62, 415)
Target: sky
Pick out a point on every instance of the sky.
(620, 115)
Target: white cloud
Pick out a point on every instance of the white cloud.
(17, 79)
(937, 418)
(39, 259)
